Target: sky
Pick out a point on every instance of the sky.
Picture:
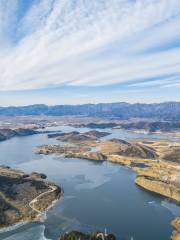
(89, 51)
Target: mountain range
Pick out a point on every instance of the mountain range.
(121, 110)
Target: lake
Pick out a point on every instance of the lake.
(97, 195)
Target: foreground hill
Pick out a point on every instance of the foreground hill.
(23, 197)
(74, 235)
(161, 111)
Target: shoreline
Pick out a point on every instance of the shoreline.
(36, 219)
(169, 134)
(13, 227)
(35, 196)
(174, 134)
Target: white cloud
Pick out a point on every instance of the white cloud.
(88, 42)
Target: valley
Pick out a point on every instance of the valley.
(154, 160)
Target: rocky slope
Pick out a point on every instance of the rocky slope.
(172, 154)
(96, 134)
(74, 137)
(124, 148)
(176, 225)
(77, 137)
(23, 197)
(158, 186)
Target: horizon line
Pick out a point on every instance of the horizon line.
(42, 104)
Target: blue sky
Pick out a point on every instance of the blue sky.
(72, 52)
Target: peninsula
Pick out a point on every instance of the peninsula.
(23, 197)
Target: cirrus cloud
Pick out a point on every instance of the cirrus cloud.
(88, 43)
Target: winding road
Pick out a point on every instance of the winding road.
(31, 204)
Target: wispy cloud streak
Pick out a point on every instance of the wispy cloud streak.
(88, 43)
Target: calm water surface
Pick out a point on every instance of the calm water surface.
(97, 195)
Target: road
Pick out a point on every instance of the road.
(31, 204)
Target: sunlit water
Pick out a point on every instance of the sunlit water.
(97, 195)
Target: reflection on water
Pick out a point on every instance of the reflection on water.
(98, 195)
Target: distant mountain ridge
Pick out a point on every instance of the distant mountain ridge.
(122, 110)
